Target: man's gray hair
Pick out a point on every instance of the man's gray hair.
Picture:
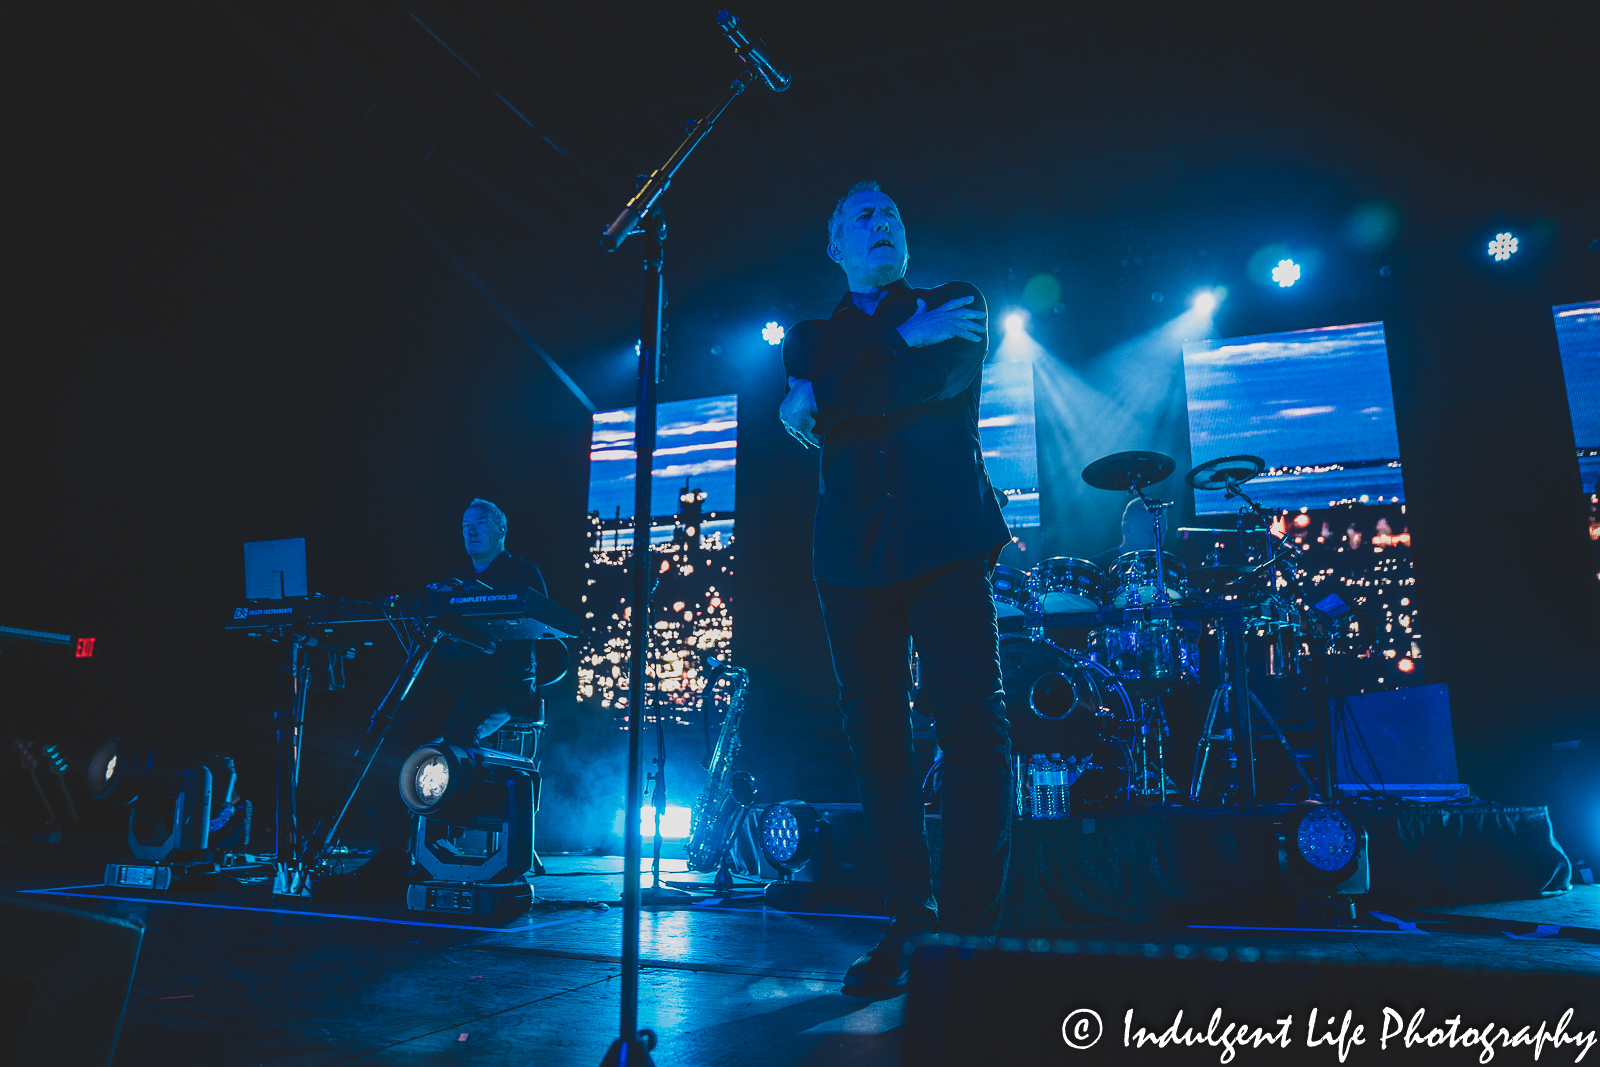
(836, 220)
(492, 509)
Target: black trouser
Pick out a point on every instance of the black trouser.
(950, 615)
(439, 707)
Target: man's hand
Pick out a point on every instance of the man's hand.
(953, 319)
(799, 413)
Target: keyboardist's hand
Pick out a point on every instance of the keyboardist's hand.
(438, 587)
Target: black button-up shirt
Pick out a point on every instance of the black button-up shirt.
(507, 677)
(903, 484)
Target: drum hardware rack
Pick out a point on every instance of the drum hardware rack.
(1139, 623)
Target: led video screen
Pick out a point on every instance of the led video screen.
(692, 556)
(696, 442)
(1316, 405)
(1010, 446)
(1578, 335)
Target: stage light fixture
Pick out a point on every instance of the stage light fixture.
(772, 333)
(1016, 320)
(1286, 273)
(1205, 301)
(1322, 858)
(176, 795)
(789, 834)
(1503, 247)
(474, 829)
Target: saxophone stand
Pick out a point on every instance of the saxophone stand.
(632, 1046)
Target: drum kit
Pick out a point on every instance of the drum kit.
(1093, 719)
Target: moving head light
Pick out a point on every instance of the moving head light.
(474, 828)
(170, 789)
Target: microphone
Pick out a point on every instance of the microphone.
(775, 74)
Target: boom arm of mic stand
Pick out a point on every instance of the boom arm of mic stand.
(637, 208)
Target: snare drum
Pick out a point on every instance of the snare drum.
(1067, 584)
(1132, 580)
(1009, 587)
(1150, 657)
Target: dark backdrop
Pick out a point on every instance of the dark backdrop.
(272, 262)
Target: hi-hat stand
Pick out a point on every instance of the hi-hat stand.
(632, 1047)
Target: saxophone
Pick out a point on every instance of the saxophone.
(709, 831)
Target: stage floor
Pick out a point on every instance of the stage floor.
(238, 977)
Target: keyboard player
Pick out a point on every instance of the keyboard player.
(462, 694)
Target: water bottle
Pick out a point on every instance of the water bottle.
(1036, 787)
(1049, 799)
(1062, 784)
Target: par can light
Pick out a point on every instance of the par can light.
(790, 830)
(1322, 850)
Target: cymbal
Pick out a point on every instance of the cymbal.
(1129, 470)
(1221, 473)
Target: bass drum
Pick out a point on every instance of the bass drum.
(1062, 702)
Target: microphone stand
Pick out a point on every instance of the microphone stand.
(632, 1048)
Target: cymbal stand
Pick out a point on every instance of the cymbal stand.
(1219, 702)
(1153, 729)
(1163, 610)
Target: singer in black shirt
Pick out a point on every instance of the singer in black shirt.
(907, 530)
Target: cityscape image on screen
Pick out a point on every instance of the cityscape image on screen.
(1316, 405)
(692, 554)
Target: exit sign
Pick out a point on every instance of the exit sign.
(85, 649)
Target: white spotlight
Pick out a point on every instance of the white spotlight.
(1504, 246)
(1205, 301)
(1286, 273)
(772, 333)
(1015, 321)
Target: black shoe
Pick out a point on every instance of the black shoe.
(882, 972)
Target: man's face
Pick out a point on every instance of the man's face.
(871, 242)
(480, 531)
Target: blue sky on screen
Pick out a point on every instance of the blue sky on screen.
(1010, 444)
(1005, 423)
(1578, 334)
(1308, 396)
(697, 439)
(1305, 398)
